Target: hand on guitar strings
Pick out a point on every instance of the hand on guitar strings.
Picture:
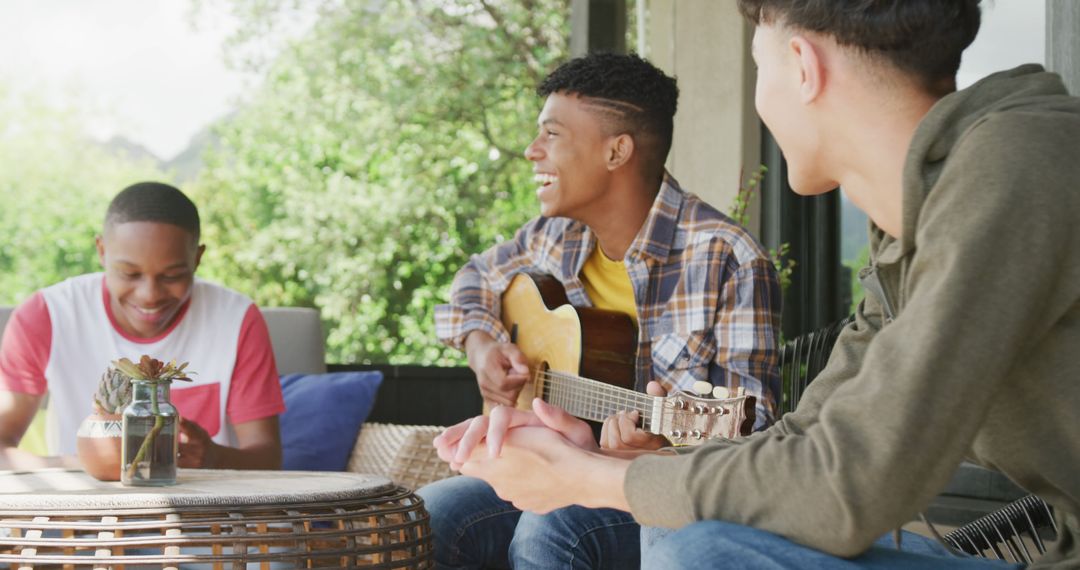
(458, 442)
(622, 431)
(501, 368)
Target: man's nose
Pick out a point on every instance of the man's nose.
(533, 151)
(150, 292)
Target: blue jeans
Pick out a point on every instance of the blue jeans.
(473, 528)
(716, 544)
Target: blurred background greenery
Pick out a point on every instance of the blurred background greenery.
(379, 149)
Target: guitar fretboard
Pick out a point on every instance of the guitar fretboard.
(593, 400)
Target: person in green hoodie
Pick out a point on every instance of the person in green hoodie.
(965, 347)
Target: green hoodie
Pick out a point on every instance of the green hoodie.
(972, 352)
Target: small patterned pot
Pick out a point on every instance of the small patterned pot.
(98, 446)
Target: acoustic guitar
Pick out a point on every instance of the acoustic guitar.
(582, 360)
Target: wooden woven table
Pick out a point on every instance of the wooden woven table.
(211, 519)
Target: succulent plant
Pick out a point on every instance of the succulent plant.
(113, 392)
(152, 369)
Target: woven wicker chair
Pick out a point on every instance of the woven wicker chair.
(1016, 532)
(403, 453)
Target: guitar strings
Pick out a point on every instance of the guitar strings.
(593, 388)
(572, 382)
(592, 399)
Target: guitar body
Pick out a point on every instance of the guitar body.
(555, 335)
(582, 360)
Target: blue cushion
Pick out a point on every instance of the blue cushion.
(322, 418)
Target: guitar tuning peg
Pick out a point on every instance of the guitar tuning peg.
(720, 392)
(702, 388)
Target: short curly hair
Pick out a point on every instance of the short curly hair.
(922, 38)
(154, 202)
(639, 98)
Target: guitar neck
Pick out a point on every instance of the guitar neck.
(592, 400)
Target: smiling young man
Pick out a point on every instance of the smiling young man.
(147, 301)
(965, 347)
(620, 235)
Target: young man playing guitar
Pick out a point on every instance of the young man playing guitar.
(618, 234)
(966, 344)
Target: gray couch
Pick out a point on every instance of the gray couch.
(295, 333)
(5, 314)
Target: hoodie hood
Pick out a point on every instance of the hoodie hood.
(949, 120)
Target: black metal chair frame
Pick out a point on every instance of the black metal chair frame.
(803, 358)
(1008, 533)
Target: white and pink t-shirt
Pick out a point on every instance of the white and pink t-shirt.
(63, 338)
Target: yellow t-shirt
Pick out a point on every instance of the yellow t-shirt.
(608, 284)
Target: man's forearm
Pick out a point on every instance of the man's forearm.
(476, 339)
(606, 475)
(604, 479)
(14, 458)
(631, 454)
(255, 457)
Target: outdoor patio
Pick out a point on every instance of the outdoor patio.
(356, 164)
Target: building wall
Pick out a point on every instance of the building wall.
(706, 45)
(1063, 41)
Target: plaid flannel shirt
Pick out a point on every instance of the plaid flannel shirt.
(707, 295)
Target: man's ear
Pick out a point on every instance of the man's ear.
(198, 255)
(619, 150)
(99, 241)
(811, 68)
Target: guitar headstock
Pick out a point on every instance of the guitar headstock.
(686, 419)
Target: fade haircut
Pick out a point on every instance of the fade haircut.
(921, 38)
(153, 202)
(634, 96)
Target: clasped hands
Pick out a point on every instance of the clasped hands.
(546, 459)
(532, 459)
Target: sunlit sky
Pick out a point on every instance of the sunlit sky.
(157, 79)
(1012, 32)
(154, 77)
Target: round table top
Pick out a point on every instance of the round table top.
(74, 489)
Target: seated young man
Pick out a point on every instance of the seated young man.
(619, 235)
(965, 347)
(147, 301)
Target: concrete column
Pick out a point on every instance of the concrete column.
(1063, 41)
(706, 45)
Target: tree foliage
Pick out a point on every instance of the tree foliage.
(54, 187)
(740, 212)
(381, 149)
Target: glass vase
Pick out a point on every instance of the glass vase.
(150, 433)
